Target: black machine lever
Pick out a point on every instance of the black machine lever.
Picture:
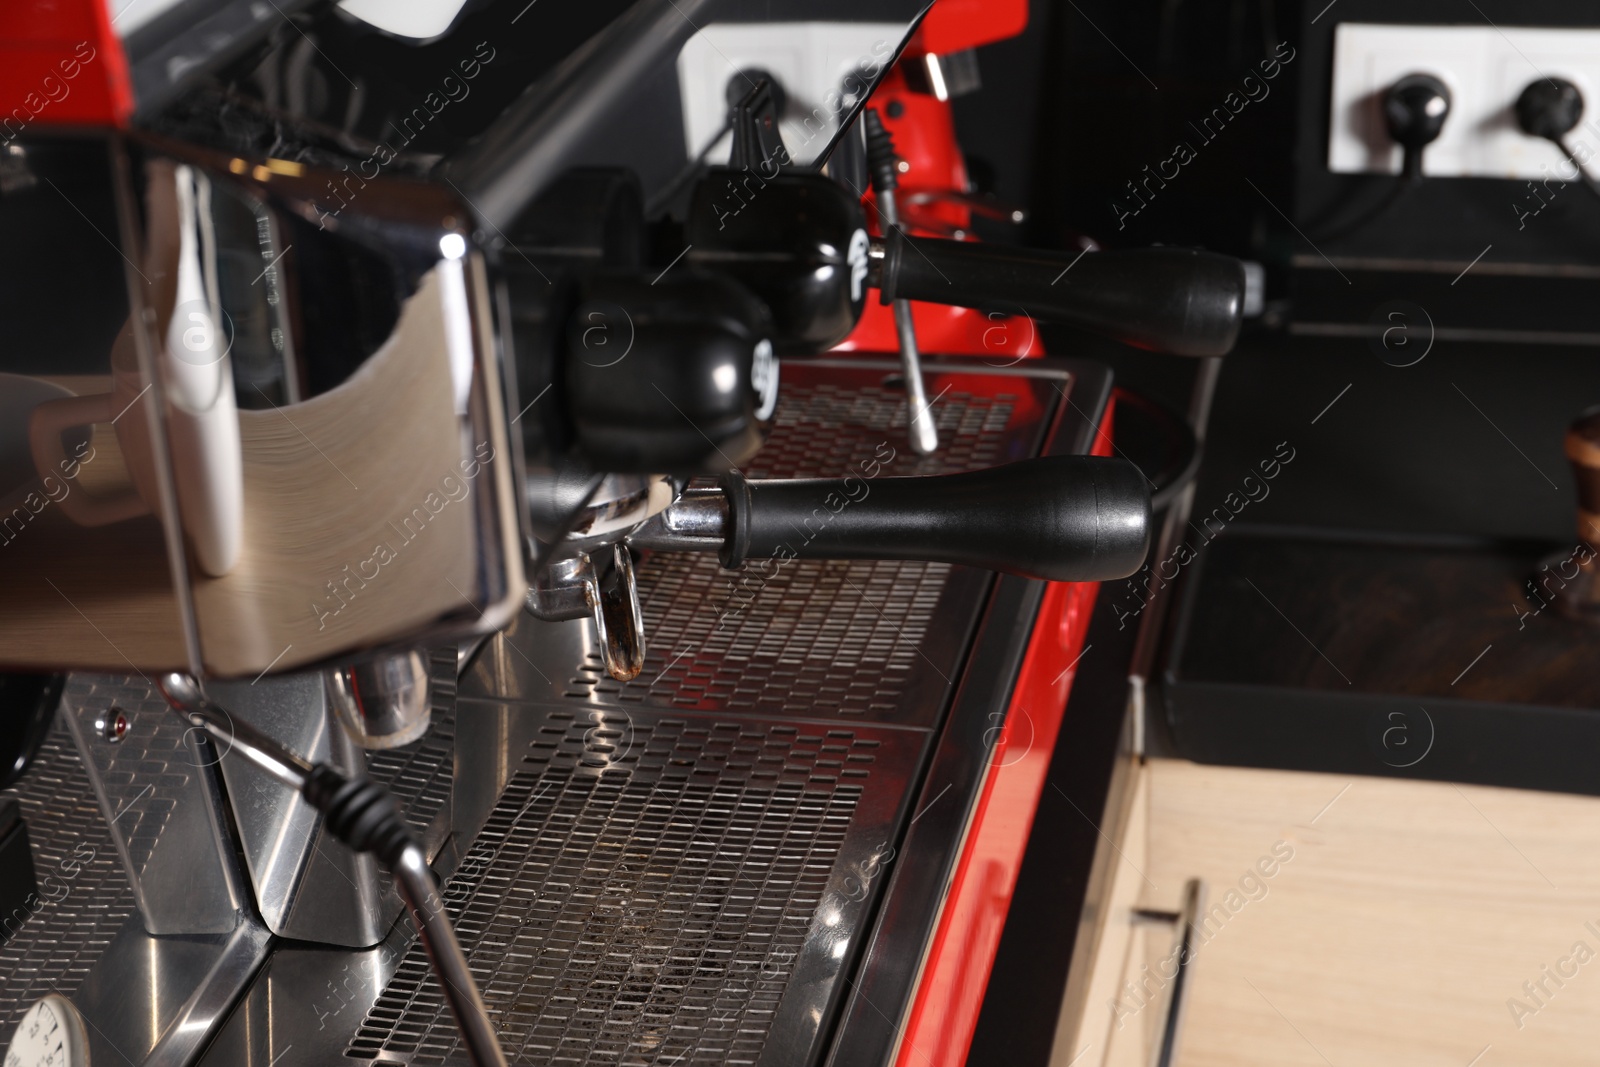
(1173, 300)
(793, 241)
(1061, 518)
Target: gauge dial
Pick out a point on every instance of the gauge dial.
(50, 1035)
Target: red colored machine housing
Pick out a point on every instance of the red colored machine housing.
(932, 164)
(943, 1014)
(61, 64)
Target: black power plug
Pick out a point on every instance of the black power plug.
(1550, 108)
(1414, 111)
(1415, 108)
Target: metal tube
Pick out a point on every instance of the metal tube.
(413, 878)
(919, 419)
(695, 522)
(414, 881)
(185, 696)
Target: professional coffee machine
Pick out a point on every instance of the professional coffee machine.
(466, 612)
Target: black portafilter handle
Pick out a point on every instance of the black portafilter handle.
(1173, 300)
(1061, 518)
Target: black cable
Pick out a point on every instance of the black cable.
(1549, 108)
(363, 815)
(1183, 451)
(1414, 111)
(1584, 176)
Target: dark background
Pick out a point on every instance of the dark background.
(1466, 442)
(1067, 116)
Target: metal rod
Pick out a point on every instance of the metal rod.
(413, 878)
(1194, 901)
(189, 700)
(414, 881)
(919, 419)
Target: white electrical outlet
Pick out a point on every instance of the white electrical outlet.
(812, 60)
(1486, 68)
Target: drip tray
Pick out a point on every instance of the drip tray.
(650, 885)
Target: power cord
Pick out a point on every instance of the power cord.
(364, 816)
(1550, 108)
(1414, 111)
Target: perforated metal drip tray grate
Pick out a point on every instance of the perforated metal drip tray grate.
(649, 887)
(859, 640)
(681, 870)
(83, 895)
(678, 868)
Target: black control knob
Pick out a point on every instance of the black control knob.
(1062, 518)
(1164, 299)
(668, 377)
(797, 241)
(1414, 108)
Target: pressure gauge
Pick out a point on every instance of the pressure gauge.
(50, 1035)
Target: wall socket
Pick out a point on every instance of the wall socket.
(811, 60)
(1486, 69)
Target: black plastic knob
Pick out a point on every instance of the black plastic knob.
(1062, 518)
(797, 241)
(667, 377)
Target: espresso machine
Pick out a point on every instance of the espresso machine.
(464, 607)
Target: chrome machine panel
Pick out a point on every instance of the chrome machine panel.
(686, 869)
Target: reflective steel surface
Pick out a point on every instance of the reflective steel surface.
(307, 885)
(156, 780)
(146, 999)
(158, 999)
(295, 449)
(382, 702)
(84, 897)
(717, 863)
(681, 870)
(155, 1001)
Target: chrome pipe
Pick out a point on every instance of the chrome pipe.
(413, 878)
(414, 881)
(186, 697)
(920, 426)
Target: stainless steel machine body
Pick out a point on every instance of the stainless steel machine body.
(735, 857)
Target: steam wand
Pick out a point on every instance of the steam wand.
(882, 163)
(364, 816)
